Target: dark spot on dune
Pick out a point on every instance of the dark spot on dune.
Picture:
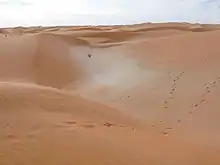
(88, 125)
(108, 124)
(165, 132)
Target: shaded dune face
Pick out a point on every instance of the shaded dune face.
(16, 58)
(42, 59)
(115, 95)
(53, 64)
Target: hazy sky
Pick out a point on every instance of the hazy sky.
(75, 12)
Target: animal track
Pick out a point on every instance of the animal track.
(11, 136)
(170, 97)
(208, 89)
(87, 125)
(173, 89)
(67, 124)
(70, 124)
(108, 124)
(166, 131)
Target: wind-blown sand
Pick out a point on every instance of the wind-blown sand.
(129, 95)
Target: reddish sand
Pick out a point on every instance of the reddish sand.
(129, 95)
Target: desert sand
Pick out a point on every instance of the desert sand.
(144, 94)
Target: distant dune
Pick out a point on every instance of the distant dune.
(130, 95)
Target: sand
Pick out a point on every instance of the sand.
(109, 95)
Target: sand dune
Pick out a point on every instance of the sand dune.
(139, 94)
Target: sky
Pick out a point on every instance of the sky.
(106, 12)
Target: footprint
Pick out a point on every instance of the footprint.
(87, 125)
(11, 136)
(201, 101)
(173, 89)
(70, 122)
(195, 105)
(170, 97)
(31, 134)
(166, 104)
(108, 124)
(165, 133)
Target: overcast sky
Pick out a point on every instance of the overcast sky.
(84, 12)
